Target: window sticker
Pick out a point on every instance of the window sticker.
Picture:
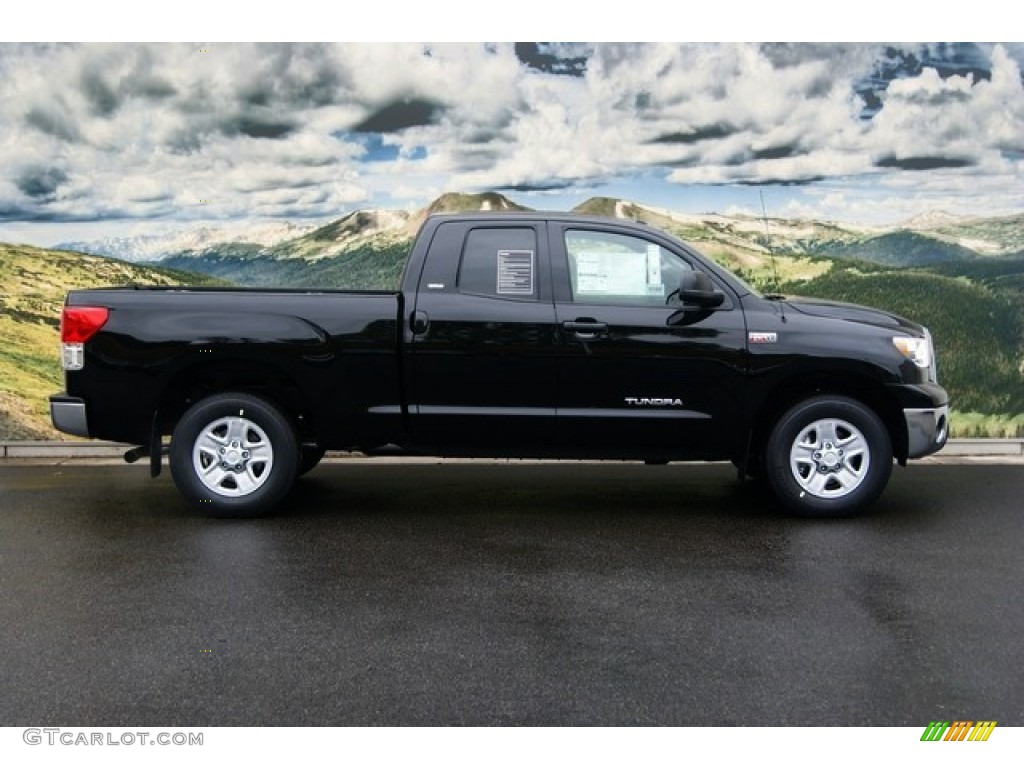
(617, 274)
(515, 273)
(655, 286)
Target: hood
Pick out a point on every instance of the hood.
(838, 310)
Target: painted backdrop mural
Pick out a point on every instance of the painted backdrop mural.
(887, 175)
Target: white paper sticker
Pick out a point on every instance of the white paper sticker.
(613, 274)
(654, 284)
(515, 273)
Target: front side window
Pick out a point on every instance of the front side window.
(608, 268)
(500, 262)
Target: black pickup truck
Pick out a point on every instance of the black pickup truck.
(513, 335)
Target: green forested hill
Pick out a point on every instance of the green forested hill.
(33, 282)
(900, 249)
(976, 319)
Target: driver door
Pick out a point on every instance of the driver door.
(638, 374)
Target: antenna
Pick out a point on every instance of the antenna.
(768, 240)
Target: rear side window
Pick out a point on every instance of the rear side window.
(500, 262)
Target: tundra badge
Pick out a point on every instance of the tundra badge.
(656, 401)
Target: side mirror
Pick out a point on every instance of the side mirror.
(696, 288)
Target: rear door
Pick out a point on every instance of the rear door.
(640, 375)
(484, 340)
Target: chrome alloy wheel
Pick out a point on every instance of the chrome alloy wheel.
(232, 456)
(830, 458)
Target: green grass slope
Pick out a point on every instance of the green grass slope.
(33, 283)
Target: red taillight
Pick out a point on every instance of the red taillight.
(79, 324)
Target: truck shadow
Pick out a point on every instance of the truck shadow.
(527, 489)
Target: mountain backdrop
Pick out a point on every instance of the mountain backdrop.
(33, 282)
(962, 277)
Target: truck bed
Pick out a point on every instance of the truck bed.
(337, 352)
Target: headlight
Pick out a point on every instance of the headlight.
(918, 351)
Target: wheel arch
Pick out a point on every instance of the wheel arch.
(259, 378)
(793, 390)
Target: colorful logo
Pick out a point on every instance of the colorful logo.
(959, 730)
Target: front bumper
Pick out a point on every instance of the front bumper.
(927, 430)
(68, 415)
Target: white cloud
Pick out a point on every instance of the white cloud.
(96, 131)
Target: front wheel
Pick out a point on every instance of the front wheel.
(828, 456)
(234, 455)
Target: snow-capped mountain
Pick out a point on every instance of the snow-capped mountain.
(157, 246)
(931, 220)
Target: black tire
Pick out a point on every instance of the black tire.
(234, 455)
(829, 456)
(311, 455)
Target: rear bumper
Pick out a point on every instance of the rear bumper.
(68, 415)
(927, 430)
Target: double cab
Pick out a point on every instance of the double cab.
(541, 335)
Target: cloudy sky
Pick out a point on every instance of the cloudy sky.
(129, 138)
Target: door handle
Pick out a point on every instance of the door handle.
(586, 328)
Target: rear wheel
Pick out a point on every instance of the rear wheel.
(829, 456)
(234, 455)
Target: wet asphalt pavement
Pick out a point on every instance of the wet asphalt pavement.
(543, 594)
